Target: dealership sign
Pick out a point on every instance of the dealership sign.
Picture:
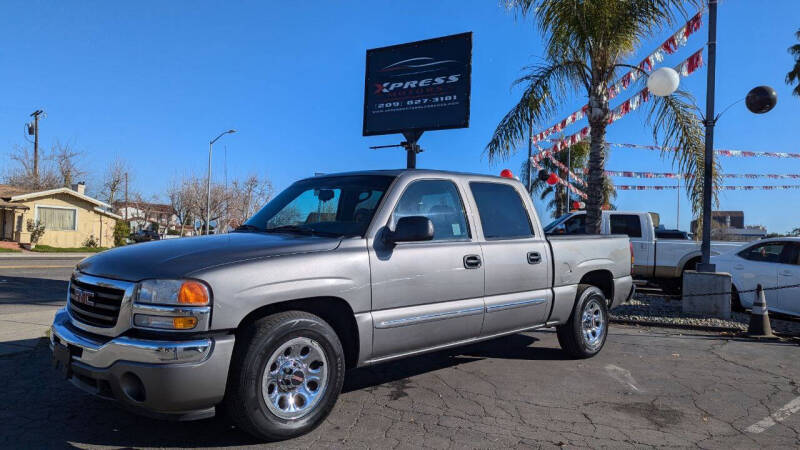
(418, 86)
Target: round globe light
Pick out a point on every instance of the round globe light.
(663, 82)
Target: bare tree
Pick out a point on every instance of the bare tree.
(66, 159)
(23, 176)
(114, 179)
(230, 207)
(245, 197)
(181, 202)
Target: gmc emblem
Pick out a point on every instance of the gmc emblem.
(83, 297)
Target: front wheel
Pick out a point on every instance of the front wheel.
(584, 334)
(286, 374)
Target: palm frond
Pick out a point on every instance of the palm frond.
(793, 77)
(677, 129)
(536, 103)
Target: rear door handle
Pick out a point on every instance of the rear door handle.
(534, 258)
(738, 267)
(787, 273)
(472, 261)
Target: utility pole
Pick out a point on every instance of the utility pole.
(35, 116)
(705, 262)
(126, 196)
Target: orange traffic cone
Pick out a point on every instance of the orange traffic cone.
(759, 317)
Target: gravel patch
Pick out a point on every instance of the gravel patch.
(656, 310)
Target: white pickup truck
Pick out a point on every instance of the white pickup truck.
(662, 261)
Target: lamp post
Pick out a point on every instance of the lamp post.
(208, 181)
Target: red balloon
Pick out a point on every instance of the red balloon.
(552, 179)
(505, 173)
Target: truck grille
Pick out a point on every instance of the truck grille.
(94, 305)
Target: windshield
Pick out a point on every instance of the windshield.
(325, 206)
(555, 223)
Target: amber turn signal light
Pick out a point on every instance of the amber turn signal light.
(184, 323)
(193, 293)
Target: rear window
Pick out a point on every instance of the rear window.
(502, 213)
(626, 224)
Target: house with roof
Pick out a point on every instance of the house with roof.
(70, 217)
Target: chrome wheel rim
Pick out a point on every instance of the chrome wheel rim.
(295, 378)
(593, 324)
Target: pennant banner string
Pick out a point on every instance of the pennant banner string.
(686, 68)
(630, 174)
(634, 187)
(670, 46)
(721, 152)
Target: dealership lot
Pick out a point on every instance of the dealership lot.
(648, 387)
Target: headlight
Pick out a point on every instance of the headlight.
(172, 292)
(179, 305)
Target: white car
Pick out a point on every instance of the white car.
(772, 263)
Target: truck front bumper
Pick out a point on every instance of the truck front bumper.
(182, 379)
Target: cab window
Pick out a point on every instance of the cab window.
(502, 213)
(439, 201)
(626, 224)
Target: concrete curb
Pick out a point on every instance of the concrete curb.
(35, 255)
(679, 326)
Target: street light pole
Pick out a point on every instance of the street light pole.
(705, 262)
(208, 181)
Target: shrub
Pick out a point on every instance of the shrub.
(90, 242)
(36, 229)
(121, 233)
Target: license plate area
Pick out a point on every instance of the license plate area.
(62, 358)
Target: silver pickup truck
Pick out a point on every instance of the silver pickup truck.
(336, 272)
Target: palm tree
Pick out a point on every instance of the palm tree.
(794, 75)
(585, 45)
(560, 203)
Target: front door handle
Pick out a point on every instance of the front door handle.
(534, 258)
(787, 273)
(738, 267)
(472, 261)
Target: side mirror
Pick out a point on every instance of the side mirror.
(411, 229)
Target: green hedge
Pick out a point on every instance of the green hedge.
(48, 249)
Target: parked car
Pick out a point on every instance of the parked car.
(337, 271)
(661, 261)
(145, 235)
(772, 263)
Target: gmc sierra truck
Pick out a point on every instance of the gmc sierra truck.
(661, 261)
(336, 272)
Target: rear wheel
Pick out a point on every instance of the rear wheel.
(585, 332)
(286, 374)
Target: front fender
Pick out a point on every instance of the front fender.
(239, 289)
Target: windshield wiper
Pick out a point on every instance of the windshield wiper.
(300, 230)
(247, 227)
(290, 229)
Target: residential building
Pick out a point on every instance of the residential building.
(70, 217)
(159, 217)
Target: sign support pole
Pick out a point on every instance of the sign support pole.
(410, 144)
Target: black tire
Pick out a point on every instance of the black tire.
(245, 402)
(571, 334)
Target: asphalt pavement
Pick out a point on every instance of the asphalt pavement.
(648, 387)
(31, 290)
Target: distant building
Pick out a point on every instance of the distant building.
(729, 226)
(70, 217)
(159, 217)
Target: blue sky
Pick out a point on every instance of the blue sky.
(155, 81)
